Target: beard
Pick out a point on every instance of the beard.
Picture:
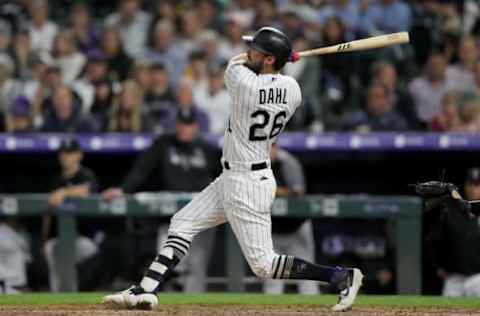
(256, 67)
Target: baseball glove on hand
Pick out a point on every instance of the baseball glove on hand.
(436, 193)
(433, 189)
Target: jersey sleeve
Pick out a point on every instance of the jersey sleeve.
(237, 75)
(295, 96)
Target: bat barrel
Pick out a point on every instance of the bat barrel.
(361, 44)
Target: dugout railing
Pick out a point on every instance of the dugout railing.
(404, 211)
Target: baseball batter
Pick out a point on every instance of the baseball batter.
(263, 101)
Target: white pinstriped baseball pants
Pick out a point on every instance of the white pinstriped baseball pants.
(244, 200)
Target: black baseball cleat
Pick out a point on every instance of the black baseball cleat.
(134, 297)
(348, 281)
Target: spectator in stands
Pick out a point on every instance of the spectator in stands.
(185, 103)
(386, 74)
(452, 244)
(95, 70)
(265, 14)
(307, 73)
(294, 235)
(190, 28)
(384, 16)
(378, 115)
(19, 119)
(85, 35)
(449, 118)
(197, 70)
(470, 17)
(23, 54)
(118, 61)
(426, 26)
(208, 44)
(346, 11)
(70, 61)
(9, 87)
(5, 37)
(15, 254)
(40, 90)
(160, 103)
(470, 116)
(476, 91)
(64, 115)
(232, 43)
(335, 80)
(180, 162)
(214, 100)
(208, 17)
(133, 24)
(462, 74)
(42, 31)
(164, 10)
(102, 104)
(246, 10)
(38, 73)
(291, 21)
(142, 74)
(427, 91)
(73, 181)
(164, 49)
(128, 115)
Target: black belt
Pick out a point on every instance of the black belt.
(255, 166)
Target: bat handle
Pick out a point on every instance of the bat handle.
(295, 56)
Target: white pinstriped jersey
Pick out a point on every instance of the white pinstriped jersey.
(261, 106)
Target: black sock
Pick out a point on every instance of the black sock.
(303, 270)
(174, 249)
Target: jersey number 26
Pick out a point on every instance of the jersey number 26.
(277, 126)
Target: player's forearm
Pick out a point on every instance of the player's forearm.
(239, 58)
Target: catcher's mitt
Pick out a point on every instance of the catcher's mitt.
(432, 189)
(436, 193)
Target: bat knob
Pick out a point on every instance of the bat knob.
(294, 57)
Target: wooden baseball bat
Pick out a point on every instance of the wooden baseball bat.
(358, 45)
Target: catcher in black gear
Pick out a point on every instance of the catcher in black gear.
(451, 237)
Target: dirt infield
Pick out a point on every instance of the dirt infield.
(229, 310)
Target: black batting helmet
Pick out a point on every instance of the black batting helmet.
(271, 41)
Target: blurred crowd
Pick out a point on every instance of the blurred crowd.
(130, 65)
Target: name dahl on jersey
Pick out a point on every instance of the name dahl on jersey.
(272, 96)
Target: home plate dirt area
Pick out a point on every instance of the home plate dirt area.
(230, 309)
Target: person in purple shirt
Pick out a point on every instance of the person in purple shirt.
(384, 16)
(19, 118)
(64, 115)
(159, 99)
(85, 34)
